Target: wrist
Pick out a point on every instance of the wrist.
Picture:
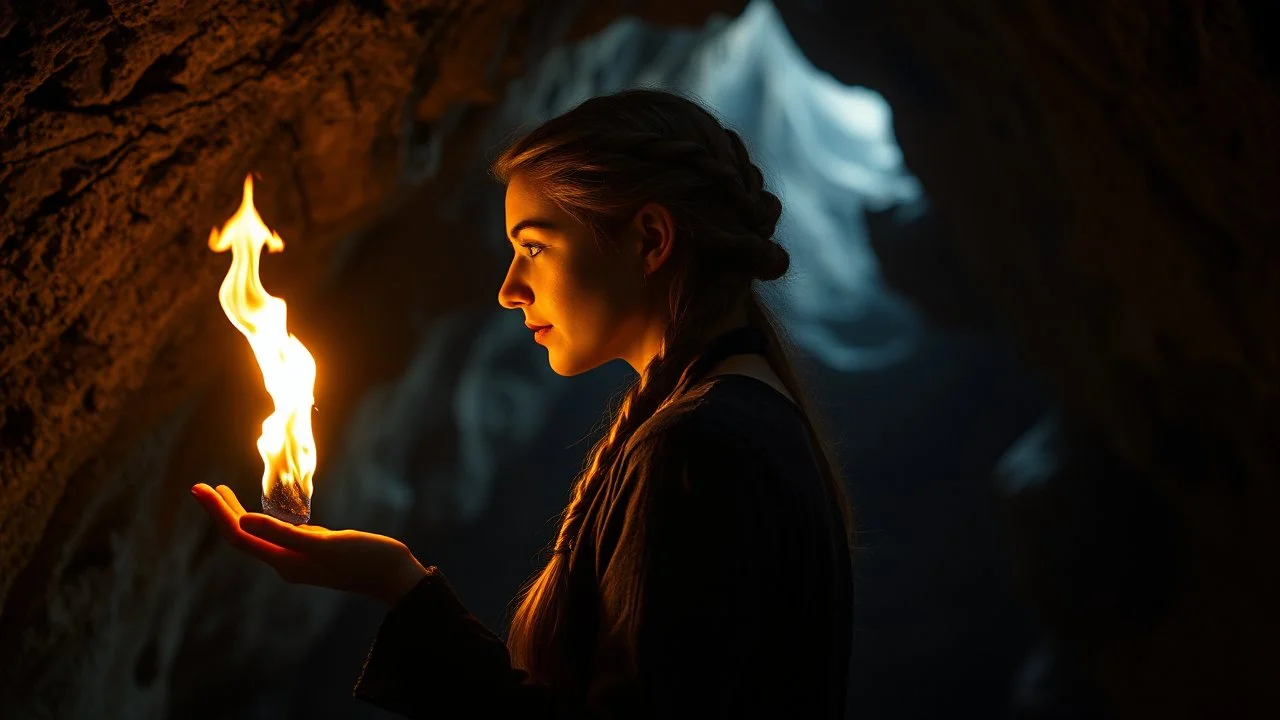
(409, 574)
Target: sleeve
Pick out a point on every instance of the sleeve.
(433, 658)
(676, 606)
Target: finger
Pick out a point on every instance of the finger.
(281, 533)
(227, 522)
(230, 496)
(224, 518)
(216, 505)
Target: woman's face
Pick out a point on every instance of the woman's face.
(593, 296)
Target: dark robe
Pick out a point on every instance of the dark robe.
(712, 580)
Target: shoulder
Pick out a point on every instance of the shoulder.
(688, 437)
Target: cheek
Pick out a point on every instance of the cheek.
(605, 293)
(592, 286)
(594, 301)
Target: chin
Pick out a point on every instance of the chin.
(569, 366)
(567, 370)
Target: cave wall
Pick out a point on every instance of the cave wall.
(122, 132)
(1108, 172)
(1105, 173)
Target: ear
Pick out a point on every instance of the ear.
(656, 230)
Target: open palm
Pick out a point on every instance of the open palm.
(348, 560)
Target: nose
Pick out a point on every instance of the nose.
(515, 292)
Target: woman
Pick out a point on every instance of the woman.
(702, 565)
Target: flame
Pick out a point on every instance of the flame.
(287, 446)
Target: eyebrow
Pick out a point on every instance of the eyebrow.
(534, 223)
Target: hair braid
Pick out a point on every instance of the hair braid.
(755, 249)
(664, 379)
(743, 178)
(734, 173)
(772, 260)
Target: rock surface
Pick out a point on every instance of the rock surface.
(1107, 172)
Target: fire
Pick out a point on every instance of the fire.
(287, 446)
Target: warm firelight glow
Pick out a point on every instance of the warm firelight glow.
(287, 446)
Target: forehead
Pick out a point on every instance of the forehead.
(524, 200)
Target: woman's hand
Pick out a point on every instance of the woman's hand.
(349, 560)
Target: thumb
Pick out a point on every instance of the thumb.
(279, 533)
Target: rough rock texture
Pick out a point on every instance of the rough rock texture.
(125, 130)
(1107, 173)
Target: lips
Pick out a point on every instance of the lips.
(536, 328)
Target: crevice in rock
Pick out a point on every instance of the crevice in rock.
(18, 429)
(157, 79)
(53, 148)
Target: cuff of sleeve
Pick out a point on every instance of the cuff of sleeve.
(428, 649)
(388, 657)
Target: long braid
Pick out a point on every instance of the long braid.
(774, 258)
(664, 378)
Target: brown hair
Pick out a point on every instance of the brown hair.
(600, 162)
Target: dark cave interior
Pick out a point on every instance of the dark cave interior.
(1050, 343)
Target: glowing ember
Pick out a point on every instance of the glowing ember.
(287, 447)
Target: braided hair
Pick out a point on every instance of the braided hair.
(600, 162)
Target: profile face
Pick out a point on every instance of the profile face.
(589, 295)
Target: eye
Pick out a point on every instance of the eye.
(531, 246)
